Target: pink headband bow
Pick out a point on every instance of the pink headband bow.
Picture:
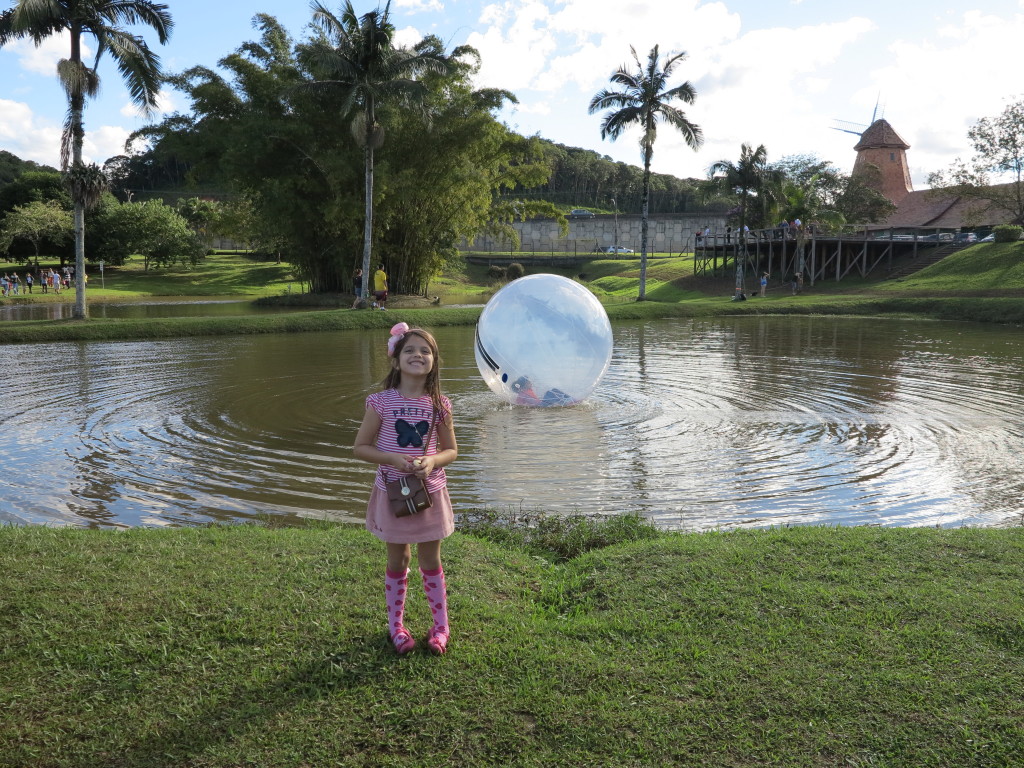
(398, 331)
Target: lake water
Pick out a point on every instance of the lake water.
(699, 424)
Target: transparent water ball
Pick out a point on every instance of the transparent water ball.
(542, 341)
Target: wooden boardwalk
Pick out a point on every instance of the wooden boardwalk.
(818, 257)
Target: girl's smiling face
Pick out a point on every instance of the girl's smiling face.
(416, 357)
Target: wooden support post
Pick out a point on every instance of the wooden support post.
(813, 264)
(864, 255)
(839, 256)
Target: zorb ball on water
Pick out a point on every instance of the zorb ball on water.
(543, 340)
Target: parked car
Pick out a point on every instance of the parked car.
(943, 237)
(581, 213)
(989, 238)
(966, 237)
(616, 249)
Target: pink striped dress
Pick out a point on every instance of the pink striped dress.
(405, 426)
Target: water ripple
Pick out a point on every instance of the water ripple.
(698, 424)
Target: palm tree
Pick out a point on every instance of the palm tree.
(357, 57)
(643, 101)
(803, 200)
(138, 65)
(751, 175)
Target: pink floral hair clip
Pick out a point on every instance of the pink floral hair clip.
(398, 331)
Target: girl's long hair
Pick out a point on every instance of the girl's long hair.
(433, 383)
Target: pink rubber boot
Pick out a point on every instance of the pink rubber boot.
(396, 586)
(437, 598)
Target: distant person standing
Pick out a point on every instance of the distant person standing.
(357, 282)
(764, 284)
(798, 283)
(380, 287)
(28, 281)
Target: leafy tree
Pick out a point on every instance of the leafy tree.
(643, 100)
(152, 230)
(998, 155)
(12, 166)
(749, 176)
(584, 178)
(808, 202)
(103, 20)
(37, 222)
(357, 56)
(34, 186)
(297, 180)
(832, 191)
(38, 186)
(435, 198)
(1007, 233)
(200, 214)
(860, 202)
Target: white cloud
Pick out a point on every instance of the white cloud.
(935, 89)
(416, 6)
(32, 137)
(165, 105)
(43, 59)
(104, 142)
(760, 86)
(27, 135)
(407, 37)
(512, 57)
(534, 108)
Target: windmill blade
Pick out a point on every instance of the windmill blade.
(847, 127)
(879, 112)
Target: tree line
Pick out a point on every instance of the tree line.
(36, 218)
(343, 146)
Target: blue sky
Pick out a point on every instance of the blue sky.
(777, 72)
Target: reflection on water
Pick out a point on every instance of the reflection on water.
(699, 424)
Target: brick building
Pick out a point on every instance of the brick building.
(880, 146)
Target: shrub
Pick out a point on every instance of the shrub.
(495, 272)
(515, 271)
(554, 537)
(1008, 233)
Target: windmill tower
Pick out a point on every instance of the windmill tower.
(880, 146)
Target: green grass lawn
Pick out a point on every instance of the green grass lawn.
(985, 269)
(247, 646)
(221, 274)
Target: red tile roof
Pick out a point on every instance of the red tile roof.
(881, 134)
(930, 208)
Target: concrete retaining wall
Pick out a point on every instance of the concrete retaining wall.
(667, 233)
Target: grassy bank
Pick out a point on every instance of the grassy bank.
(982, 283)
(998, 310)
(249, 646)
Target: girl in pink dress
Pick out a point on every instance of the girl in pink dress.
(407, 429)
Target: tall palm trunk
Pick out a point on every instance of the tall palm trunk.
(77, 137)
(741, 257)
(644, 207)
(368, 193)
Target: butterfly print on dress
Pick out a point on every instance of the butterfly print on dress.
(409, 434)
